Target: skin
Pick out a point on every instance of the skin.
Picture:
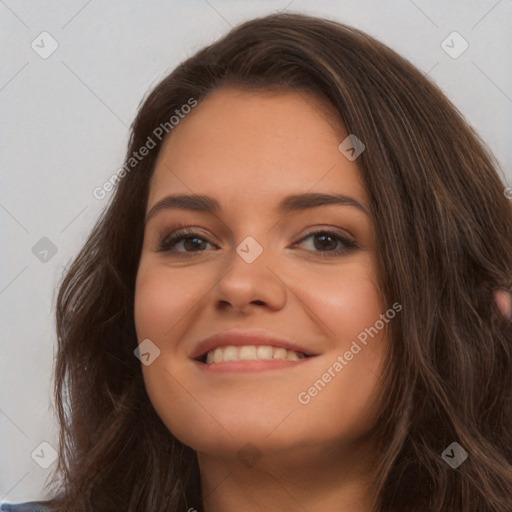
(503, 300)
(249, 150)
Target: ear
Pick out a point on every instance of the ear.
(503, 298)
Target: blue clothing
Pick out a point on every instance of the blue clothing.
(29, 506)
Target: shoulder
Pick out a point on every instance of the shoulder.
(29, 506)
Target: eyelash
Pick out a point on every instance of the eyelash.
(168, 240)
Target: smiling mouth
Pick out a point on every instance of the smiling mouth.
(231, 353)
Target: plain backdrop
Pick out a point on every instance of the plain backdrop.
(65, 125)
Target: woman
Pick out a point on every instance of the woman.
(215, 355)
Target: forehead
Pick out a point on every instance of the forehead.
(254, 147)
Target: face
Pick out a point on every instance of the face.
(252, 265)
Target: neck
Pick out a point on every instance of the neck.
(308, 479)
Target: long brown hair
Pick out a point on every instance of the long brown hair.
(444, 238)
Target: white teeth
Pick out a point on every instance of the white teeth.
(280, 353)
(291, 355)
(264, 352)
(251, 353)
(230, 353)
(247, 353)
(217, 355)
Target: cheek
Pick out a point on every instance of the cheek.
(160, 301)
(350, 309)
(346, 302)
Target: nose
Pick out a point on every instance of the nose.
(248, 283)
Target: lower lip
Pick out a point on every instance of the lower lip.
(249, 366)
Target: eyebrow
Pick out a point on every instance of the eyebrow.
(292, 203)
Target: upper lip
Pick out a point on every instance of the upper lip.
(245, 337)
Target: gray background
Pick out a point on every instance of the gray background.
(65, 127)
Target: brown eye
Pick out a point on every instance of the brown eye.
(192, 242)
(326, 241)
